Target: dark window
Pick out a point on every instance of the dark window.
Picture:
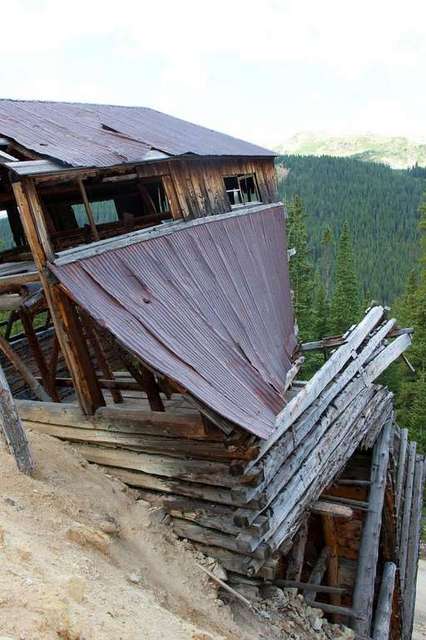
(242, 190)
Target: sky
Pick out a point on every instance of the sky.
(262, 70)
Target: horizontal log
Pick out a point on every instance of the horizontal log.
(206, 514)
(194, 532)
(199, 471)
(175, 447)
(334, 609)
(18, 279)
(306, 586)
(136, 479)
(119, 419)
(334, 509)
(231, 561)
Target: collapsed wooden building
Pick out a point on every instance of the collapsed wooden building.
(148, 320)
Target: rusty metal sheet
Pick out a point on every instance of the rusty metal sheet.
(208, 305)
(88, 135)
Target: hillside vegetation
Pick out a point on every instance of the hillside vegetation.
(380, 206)
(397, 152)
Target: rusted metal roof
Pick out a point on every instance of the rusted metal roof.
(208, 305)
(89, 135)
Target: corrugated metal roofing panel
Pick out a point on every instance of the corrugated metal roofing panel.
(208, 306)
(87, 135)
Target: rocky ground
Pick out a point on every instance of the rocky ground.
(83, 559)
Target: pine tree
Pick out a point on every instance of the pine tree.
(321, 310)
(345, 304)
(327, 246)
(412, 394)
(301, 270)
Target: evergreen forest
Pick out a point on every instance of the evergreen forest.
(340, 262)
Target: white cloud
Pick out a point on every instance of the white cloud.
(192, 42)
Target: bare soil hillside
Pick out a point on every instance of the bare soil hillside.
(83, 559)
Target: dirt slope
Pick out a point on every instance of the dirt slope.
(82, 559)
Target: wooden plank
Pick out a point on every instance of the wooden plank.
(126, 419)
(305, 490)
(409, 594)
(19, 279)
(23, 370)
(332, 509)
(12, 430)
(307, 586)
(88, 208)
(324, 376)
(331, 540)
(382, 618)
(194, 532)
(403, 444)
(10, 301)
(363, 595)
(176, 447)
(316, 468)
(79, 360)
(231, 561)
(103, 364)
(200, 491)
(306, 422)
(199, 471)
(318, 573)
(406, 514)
(205, 514)
(295, 558)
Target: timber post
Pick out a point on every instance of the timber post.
(12, 429)
(62, 310)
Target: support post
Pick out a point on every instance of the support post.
(12, 429)
(383, 615)
(330, 537)
(62, 311)
(363, 596)
(88, 208)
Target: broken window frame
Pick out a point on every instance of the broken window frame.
(240, 178)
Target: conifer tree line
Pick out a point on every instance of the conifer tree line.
(379, 205)
(328, 301)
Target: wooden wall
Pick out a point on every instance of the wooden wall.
(196, 187)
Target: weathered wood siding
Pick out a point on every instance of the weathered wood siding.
(197, 188)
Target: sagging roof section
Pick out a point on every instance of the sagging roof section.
(208, 306)
(88, 135)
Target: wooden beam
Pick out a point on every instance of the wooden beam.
(332, 509)
(330, 538)
(61, 312)
(409, 594)
(307, 586)
(297, 553)
(363, 596)
(318, 572)
(88, 208)
(20, 366)
(12, 430)
(30, 333)
(400, 473)
(382, 618)
(406, 514)
(101, 359)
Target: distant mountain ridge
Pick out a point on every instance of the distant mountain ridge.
(396, 152)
